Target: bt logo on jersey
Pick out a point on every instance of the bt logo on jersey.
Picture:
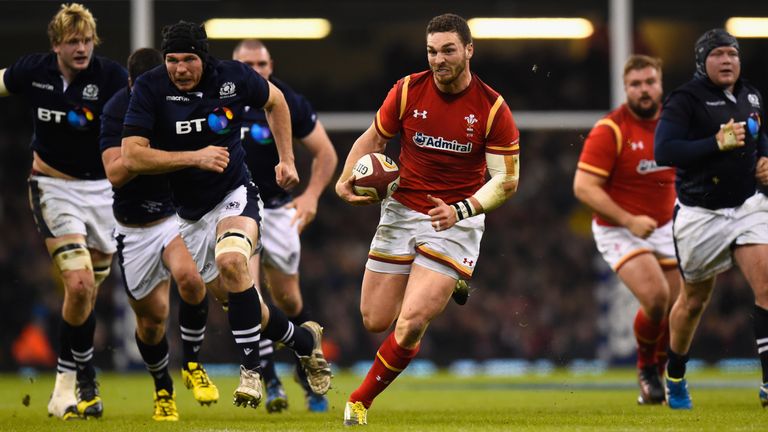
(47, 115)
(185, 127)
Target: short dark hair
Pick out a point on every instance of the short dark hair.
(449, 22)
(253, 44)
(639, 61)
(142, 60)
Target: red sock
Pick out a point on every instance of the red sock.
(662, 345)
(647, 335)
(391, 359)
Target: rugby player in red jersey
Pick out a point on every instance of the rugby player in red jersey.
(633, 200)
(453, 127)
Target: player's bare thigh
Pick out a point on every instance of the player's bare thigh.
(380, 299)
(426, 296)
(752, 260)
(179, 261)
(643, 275)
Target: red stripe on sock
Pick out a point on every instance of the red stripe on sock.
(391, 359)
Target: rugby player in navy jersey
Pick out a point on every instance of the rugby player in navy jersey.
(284, 216)
(69, 194)
(712, 129)
(150, 251)
(184, 120)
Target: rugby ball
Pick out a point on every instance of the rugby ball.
(376, 176)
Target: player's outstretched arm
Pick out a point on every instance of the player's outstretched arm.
(324, 161)
(140, 158)
(279, 120)
(117, 173)
(589, 189)
(370, 141)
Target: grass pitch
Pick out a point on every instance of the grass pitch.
(556, 402)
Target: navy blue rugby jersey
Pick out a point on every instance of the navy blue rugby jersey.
(260, 150)
(145, 198)
(186, 121)
(67, 122)
(685, 138)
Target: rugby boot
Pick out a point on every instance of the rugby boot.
(248, 393)
(277, 401)
(676, 390)
(460, 293)
(196, 379)
(88, 399)
(316, 367)
(63, 402)
(651, 389)
(165, 406)
(355, 414)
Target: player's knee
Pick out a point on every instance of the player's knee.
(231, 266)
(695, 306)
(233, 250)
(191, 286)
(289, 304)
(79, 286)
(375, 323)
(151, 329)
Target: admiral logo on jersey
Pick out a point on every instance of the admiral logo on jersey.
(441, 143)
(645, 166)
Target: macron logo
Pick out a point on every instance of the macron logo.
(247, 351)
(177, 98)
(42, 86)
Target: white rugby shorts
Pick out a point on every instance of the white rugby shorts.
(618, 245)
(200, 235)
(140, 254)
(282, 247)
(84, 207)
(405, 237)
(705, 238)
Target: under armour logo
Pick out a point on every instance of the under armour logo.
(636, 145)
(247, 351)
(468, 262)
(422, 114)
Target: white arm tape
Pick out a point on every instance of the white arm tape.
(3, 90)
(497, 189)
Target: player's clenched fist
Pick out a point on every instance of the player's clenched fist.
(286, 175)
(213, 158)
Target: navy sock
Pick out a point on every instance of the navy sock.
(761, 336)
(676, 364)
(279, 329)
(81, 345)
(267, 354)
(66, 363)
(245, 322)
(192, 320)
(156, 360)
(302, 317)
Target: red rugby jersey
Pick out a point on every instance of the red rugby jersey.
(620, 149)
(444, 137)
